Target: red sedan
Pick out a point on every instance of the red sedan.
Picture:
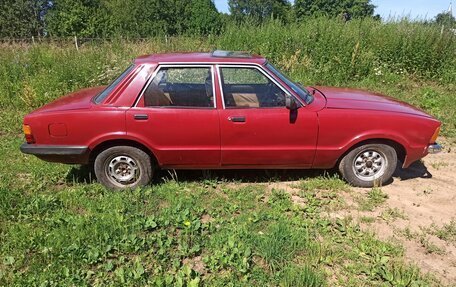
(226, 110)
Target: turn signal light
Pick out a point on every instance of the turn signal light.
(28, 134)
(435, 135)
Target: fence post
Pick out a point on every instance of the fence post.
(33, 40)
(76, 43)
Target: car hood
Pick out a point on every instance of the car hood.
(81, 99)
(345, 98)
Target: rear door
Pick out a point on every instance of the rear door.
(177, 116)
(257, 130)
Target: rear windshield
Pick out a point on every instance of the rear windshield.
(101, 96)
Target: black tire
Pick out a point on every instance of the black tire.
(121, 167)
(374, 166)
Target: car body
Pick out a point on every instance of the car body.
(226, 110)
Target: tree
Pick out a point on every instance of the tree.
(23, 18)
(259, 9)
(204, 18)
(75, 17)
(332, 8)
(445, 19)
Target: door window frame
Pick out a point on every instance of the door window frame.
(262, 71)
(160, 66)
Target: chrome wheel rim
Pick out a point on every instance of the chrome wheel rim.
(123, 170)
(369, 165)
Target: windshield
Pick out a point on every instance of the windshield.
(297, 88)
(101, 96)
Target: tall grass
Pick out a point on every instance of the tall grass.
(411, 61)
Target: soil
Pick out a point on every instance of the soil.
(425, 194)
(423, 197)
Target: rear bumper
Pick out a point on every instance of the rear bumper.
(434, 148)
(58, 153)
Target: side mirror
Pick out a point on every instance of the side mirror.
(291, 104)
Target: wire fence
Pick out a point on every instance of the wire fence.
(80, 41)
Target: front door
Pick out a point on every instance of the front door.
(256, 128)
(178, 118)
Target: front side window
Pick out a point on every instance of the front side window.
(297, 88)
(245, 87)
(180, 87)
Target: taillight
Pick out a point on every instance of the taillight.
(435, 135)
(28, 134)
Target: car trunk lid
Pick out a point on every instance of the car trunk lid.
(81, 99)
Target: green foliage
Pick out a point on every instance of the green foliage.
(204, 18)
(132, 18)
(79, 17)
(354, 8)
(57, 230)
(375, 197)
(447, 232)
(259, 10)
(280, 244)
(23, 18)
(445, 19)
(304, 276)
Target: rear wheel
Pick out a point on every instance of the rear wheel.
(123, 167)
(369, 165)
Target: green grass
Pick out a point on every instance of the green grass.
(58, 231)
(447, 232)
(391, 214)
(57, 228)
(375, 197)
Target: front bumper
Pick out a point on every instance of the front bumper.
(434, 148)
(58, 153)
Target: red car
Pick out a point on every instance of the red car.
(226, 110)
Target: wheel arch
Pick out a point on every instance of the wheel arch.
(94, 152)
(401, 151)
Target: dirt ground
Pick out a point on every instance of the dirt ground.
(426, 195)
(421, 200)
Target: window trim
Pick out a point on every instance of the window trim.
(218, 66)
(130, 70)
(154, 74)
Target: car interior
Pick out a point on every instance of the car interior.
(248, 88)
(164, 92)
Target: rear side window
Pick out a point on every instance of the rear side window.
(188, 87)
(101, 96)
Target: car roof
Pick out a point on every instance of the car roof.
(217, 56)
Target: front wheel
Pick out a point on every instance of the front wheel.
(121, 167)
(369, 165)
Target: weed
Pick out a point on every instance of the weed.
(301, 276)
(279, 244)
(408, 233)
(447, 232)
(391, 214)
(367, 219)
(430, 247)
(438, 165)
(375, 197)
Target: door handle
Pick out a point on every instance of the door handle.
(141, 117)
(240, 119)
